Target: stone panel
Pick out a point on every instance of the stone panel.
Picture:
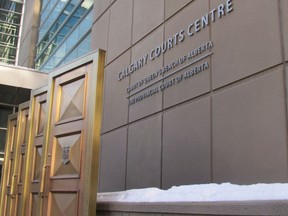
(187, 144)
(113, 161)
(153, 103)
(27, 48)
(120, 28)
(30, 19)
(284, 5)
(249, 132)
(200, 83)
(144, 153)
(100, 32)
(172, 6)
(147, 15)
(115, 108)
(99, 7)
(243, 43)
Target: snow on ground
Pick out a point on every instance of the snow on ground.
(201, 193)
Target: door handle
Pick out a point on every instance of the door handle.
(43, 181)
(13, 188)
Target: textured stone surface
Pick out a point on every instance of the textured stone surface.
(249, 132)
(243, 46)
(144, 153)
(187, 144)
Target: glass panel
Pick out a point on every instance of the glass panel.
(44, 3)
(10, 17)
(45, 51)
(8, 40)
(12, 6)
(52, 17)
(47, 10)
(82, 49)
(84, 46)
(57, 22)
(9, 29)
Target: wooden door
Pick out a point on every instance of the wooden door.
(8, 179)
(20, 155)
(51, 158)
(69, 182)
(33, 169)
(17, 138)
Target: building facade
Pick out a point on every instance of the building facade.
(10, 27)
(58, 32)
(195, 91)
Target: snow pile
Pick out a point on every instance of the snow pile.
(201, 193)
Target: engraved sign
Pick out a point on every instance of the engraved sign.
(172, 74)
(65, 155)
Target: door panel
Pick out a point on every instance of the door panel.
(70, 142)
(8, 168)
(52, 148)
(20, 154)
(32, 167)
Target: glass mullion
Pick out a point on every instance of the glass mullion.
(10, 17)
(5, 44)
(53, 29)
(9, 23)
(57, 38)
(47, 10)
(9, 11)
(48, 21)
(77, 34)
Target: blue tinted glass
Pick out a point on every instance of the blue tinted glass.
(47, 10)
(44, 3)
(82, 49)
(45, 50)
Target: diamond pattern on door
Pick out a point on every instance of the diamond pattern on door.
(38, 156)
(63, 204)
(67, 155)
(42, 114)
(34, 204)
(72, 100)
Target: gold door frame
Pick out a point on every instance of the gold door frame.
(88, 125)
(7, 170)
(35, 141)
(17, 138)
(92, 120)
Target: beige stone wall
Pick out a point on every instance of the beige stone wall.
(29, 35)
(227, 123)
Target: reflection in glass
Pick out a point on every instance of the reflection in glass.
(10, 19)
(49, 54)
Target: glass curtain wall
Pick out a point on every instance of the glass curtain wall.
(64, 25)
(10, 23)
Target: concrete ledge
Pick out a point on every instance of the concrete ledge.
(264, 208)
(22, 77)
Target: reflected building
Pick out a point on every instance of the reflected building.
(64, 32)
(10, 27)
